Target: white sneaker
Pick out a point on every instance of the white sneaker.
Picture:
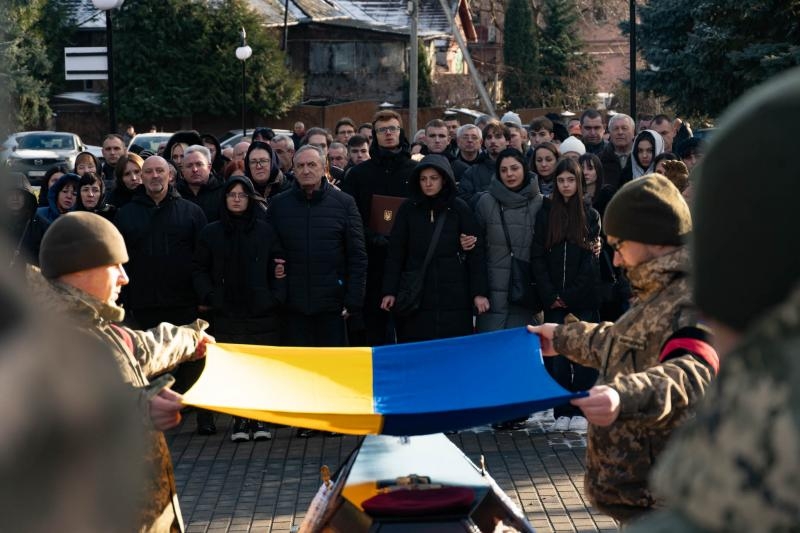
(578, 423)
(562, 424)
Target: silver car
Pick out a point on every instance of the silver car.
(36, 151)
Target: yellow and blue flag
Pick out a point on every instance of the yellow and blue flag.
(404, 389)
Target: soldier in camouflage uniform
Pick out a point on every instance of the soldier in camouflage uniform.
(655, 362)
(736, 466)
(81, 260)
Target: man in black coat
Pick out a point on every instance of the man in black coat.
(160, 230)
(198, 184)
(386, 173)
(616, 156)
(320, 231)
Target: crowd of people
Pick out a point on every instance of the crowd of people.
(349, 238)
(281, 239)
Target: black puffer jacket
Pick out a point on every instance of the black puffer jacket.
(208, 198)
(566, 270)
(476, 179)
(234, 273)
(453, 277)
(387, 174)
(161, 240)
(323, 240)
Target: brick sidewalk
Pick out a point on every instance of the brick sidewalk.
(266, 486)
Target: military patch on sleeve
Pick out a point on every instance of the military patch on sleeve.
(695, 341)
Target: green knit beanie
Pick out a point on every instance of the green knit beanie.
(80, 241)
(649, 210)
(745, 246)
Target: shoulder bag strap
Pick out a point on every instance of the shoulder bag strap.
(505, 231)
(437, 231)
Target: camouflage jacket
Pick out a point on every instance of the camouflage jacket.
(154, 351)
(659, 361)
(736, 466)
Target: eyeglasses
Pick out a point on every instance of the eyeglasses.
(259, 162)
(387, 129)
(616, 245)
(237, 195)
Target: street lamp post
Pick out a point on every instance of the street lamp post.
(108, 6)
(243, 53)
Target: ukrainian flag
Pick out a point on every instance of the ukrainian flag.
(403, 389)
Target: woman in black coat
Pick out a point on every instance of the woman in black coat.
(238, 276)
(566, 276)
(455, 280)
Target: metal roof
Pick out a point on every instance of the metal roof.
(377, 15)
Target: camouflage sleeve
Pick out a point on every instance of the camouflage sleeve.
(662, 393)
(583, 342)
(165, 346)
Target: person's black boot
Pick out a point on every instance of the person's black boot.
(205, 422)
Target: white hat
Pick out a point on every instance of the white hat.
(572, 144)
(511, 118)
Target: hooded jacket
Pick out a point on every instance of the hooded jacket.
(323, 239)
(276, 183)
(519, 209)
(644, 357)
(23, 228)
(657, 141)
(233, 272)
(453, 277)
(51, 212)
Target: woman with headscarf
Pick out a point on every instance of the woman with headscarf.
(238, 274)
(91, 197)
(263, 169)
(646, 146)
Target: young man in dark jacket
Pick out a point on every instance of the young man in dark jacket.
(386, 173)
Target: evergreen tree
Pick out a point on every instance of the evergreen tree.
(187, 58)
(567, 73)
(24, 67)
(703, 54)
(521, 56)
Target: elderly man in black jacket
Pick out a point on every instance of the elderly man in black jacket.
(198, 184)
(320, 230)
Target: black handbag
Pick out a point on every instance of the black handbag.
(409, 290)
(609, 287)
(522, 285)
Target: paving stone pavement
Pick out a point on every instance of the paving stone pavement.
(266, 486)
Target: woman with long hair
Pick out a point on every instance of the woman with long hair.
(566, 275)
(595, 192)
(128, 174)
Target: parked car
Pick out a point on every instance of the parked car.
(36, 151)
(150, 141)
(233, 137)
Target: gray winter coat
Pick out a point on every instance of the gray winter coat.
(520, 210)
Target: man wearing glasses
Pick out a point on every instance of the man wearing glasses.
(385, 174)
(655, 361)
